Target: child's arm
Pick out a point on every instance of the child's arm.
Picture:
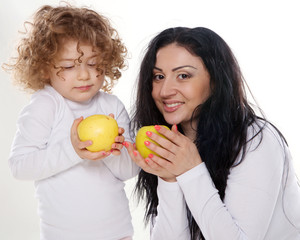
(41, 146)
(122, 165)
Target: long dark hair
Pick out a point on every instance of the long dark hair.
(223, 120)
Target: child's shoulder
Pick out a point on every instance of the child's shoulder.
(107, 98)
(47, 91)
(47, 95)
(46, 98)
(43, 105)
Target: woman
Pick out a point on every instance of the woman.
(224, 172)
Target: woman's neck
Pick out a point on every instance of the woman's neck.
(189, 130)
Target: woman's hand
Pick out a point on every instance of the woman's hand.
(178, 153)
(148, 165)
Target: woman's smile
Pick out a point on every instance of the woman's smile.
(172, 106)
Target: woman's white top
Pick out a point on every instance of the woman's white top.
(262, 198)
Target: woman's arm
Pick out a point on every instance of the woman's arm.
(171, 221)
(252, 191)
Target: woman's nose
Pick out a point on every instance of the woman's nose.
(168, 88)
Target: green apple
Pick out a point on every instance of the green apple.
(141, 137)
(99, 128)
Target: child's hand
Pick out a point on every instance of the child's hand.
(80, 147)
(118, 144)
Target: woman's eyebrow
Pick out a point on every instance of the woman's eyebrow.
(177, 68)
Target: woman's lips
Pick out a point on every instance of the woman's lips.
(171, 107)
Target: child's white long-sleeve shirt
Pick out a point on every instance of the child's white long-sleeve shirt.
(78, 198)
(262, 200)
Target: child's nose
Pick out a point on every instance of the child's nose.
(83, 73)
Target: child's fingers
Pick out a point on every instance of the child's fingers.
(121, 130)
(115, 152)
(111, 115)
(117, 146)
(96, 155)
(119, 139)
(75, 125)
(83, 145)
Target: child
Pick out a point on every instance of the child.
(68, 55)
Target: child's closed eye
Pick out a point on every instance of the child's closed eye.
(67, 67)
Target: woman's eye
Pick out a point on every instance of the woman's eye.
(158, 77)
(184, 76)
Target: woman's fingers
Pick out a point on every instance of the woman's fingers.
(166, 147)
(148, 165)
(177, 153)
(169, 145)
(173, 134)
(135, 156)
(166, 150)
(160, 161)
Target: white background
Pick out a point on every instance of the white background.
(263, 34)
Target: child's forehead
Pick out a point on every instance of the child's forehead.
(72, 49)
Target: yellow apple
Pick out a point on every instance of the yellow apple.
(141, 137)
(101, 129)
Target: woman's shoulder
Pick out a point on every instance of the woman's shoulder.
(265, 140)
(264, 131)
(265, 151)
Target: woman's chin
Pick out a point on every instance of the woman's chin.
(173, 121)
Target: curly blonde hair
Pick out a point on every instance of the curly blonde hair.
(38, 48)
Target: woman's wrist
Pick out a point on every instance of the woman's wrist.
(169, 179)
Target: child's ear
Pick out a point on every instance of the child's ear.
(45, 74)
